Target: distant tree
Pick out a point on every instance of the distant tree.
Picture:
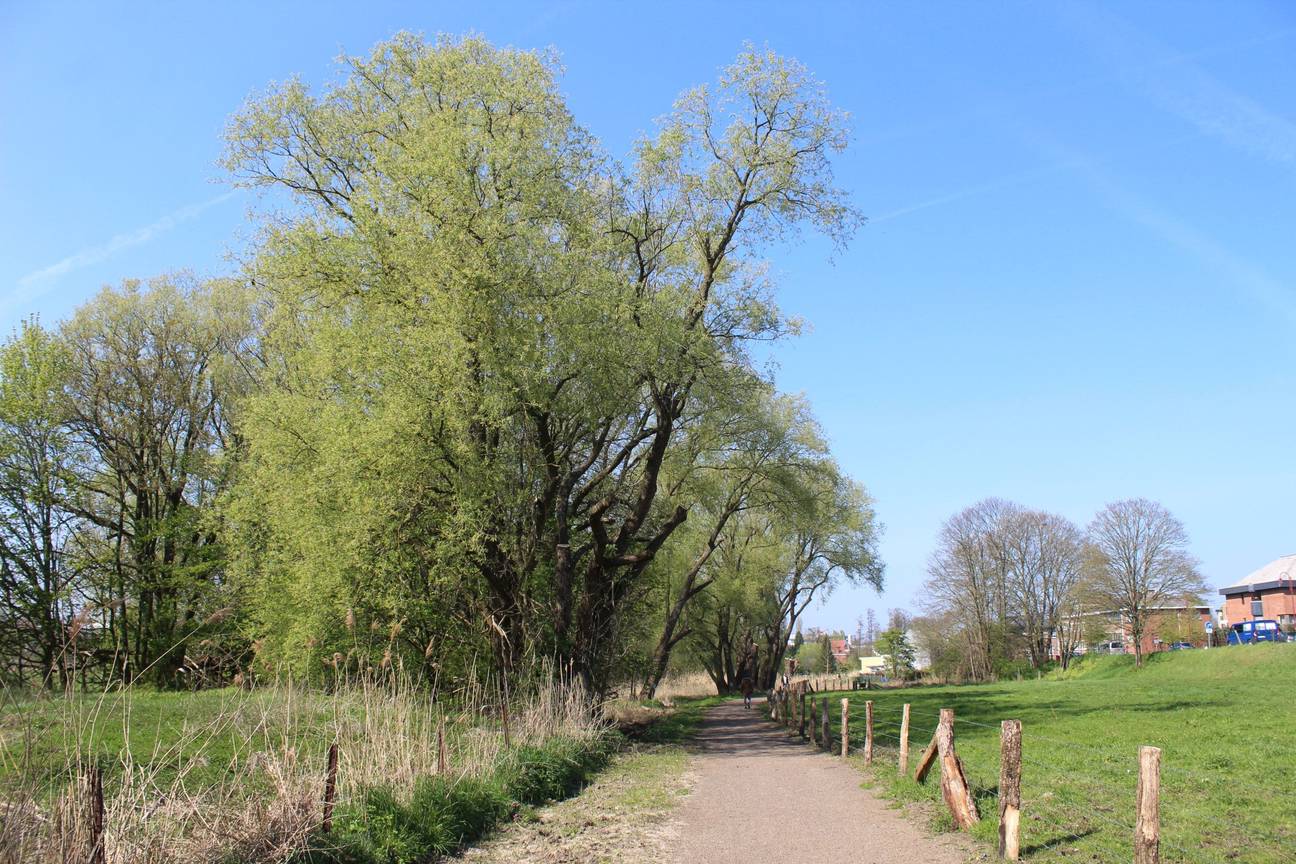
(1140, 562)
(939, 638)
(968, 581)
(871, 630)
(154, 372)
(1043, 559)
(894, 645)
(38, 588)
(810, 657)
(829, 662)
(898, 619)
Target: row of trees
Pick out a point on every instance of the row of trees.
(481, 392)
(1008, 583)
(114, 441)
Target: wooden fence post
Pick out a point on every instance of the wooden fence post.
(1147, 828)
(925, 761)
(954, 785)
(827, 730)
(814, 721)
(97, 851)
(801, 715)
(330, 788)
(442, 755)
(868, 732)
(507, 742)
(904, 740)
(1010, 757)
(845, 751)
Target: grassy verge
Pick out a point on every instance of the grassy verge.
(623, 816)
(443, 814)
(1223, 718)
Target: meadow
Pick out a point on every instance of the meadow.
(1224, 719)
(238, 776)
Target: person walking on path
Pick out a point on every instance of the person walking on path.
(747, 687)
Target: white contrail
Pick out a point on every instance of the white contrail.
(32, 282)
(1190, 93)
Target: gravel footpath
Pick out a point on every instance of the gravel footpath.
(761, 796)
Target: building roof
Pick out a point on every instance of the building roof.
(1278, 573)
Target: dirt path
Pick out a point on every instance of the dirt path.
(761, 796)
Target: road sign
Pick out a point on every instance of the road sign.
(1209, 626)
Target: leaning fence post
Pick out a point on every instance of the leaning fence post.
(1010, 758)
(330, 788)
(97, 851)
(904, 740)
(441, 747)
(868, 732)
(954, 785)
(845, 728)
(1147, 828)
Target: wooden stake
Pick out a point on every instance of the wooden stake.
(845, 751)
(801, 715)
(814, 721)
(925, 761)
(954, 785)
(868, 732)
(442, 755)
(97, 851)
(1147, 828)
(904, 740)
(330, 788)
(505, 715)
(827, 730)
(1010, 756)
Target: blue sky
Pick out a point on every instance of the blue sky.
(1076, 284)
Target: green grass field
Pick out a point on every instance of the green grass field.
(1224, 718)
(203, 734)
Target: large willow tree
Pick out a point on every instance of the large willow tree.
(489, 344)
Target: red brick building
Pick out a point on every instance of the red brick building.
(1269, 592)
(841, 649)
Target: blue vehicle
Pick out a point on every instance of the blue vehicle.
(1248, 632)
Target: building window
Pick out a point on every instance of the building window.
(1257, 608)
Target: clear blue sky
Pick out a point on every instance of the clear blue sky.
(1076, 284)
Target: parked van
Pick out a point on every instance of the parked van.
(1109, 648)
(1264, 630)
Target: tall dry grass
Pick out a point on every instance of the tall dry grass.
(685, 685)
(271, 743)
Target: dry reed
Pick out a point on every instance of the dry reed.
(268, 801)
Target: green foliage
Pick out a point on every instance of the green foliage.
(553, 771)
(442, 439)
(442, 815)
(894, 646)
(810, 657)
